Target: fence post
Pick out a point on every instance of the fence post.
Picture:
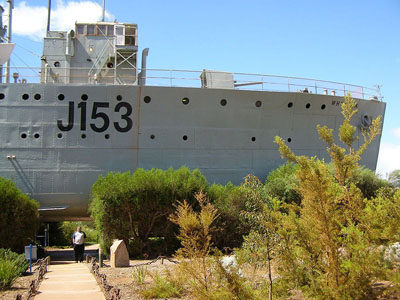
(30, 258)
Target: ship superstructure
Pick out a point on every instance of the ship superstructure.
(94, 111)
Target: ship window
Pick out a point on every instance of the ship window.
(119, 97)
(130, 40)
(185, 137)
(308, 105)
(25, 96)
(80, 29)
(185, 100)
(59, 135)
(290, 104)
(61, 97)
(258, 103)
(223, 102)
(129, 30)
(2, 96)
(107, 136)
(37, 135)
(90, 29)
(23, 135)
(119, 30)
(101, 29)
(57, 64)
(110, 30)
(323, 106)
(152, 136)
(83, 136)
(289, 140)
(84, 97)
(147, 99)
(37, 96)
(253, 138)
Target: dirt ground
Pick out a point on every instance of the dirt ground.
(20, 286)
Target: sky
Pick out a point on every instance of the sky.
(352, 41)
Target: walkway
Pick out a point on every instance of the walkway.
(69, 281)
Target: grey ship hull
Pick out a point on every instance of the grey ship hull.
(52, 162)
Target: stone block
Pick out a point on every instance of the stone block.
(119, 254)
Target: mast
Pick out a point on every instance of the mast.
(48, 15)
(104, 9)
(2, 33)
(9, 30)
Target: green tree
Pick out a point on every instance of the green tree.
(394, 178)
(19, 217)
(368, 182)
(331, 255)
(263, 215)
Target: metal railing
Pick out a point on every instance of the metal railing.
(187, 78)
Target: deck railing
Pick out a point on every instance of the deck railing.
(187, 78)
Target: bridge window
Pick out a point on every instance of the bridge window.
(90, 29)
(101, 29)
(80, 29)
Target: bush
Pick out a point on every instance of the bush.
(12, 265)
(368, 182)
(134, 207)
(229, 200)
(282, 183)
(19, 217)
(162, 288)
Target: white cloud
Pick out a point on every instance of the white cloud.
(31, 21)
(389, 158)
(396, 132)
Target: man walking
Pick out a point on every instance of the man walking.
(78, 239)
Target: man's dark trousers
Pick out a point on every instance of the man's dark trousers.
(79, 249)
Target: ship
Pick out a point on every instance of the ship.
(94, 110)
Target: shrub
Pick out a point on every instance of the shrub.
(19, 217)
(282, 184)
(229, 200)
(12, 265)
(325, 248)
(162, 288)
(135, 207)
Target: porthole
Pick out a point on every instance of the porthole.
(258, 103)
(289, 140)
(323, 106)
(253, 138)
(119, 97)
(107, 136)
(36, 135)
(147, 99)
(25, 96)
(152, 136)
(84, 97)
(185, 137)
(110, 65)
(290, 104)
(83, 136)
(223, 102)
(308, 105)
(59, 135)
(61, 97)
(23, 135)
(37, 96)
(57, 64)
(2, 96)
(185, 100)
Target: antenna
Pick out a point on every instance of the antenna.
(10, 8)
(104, 10)
(48, 15)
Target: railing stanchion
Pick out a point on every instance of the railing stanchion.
(288, 84)
(316, 88)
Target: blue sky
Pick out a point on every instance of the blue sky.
(355, 41)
